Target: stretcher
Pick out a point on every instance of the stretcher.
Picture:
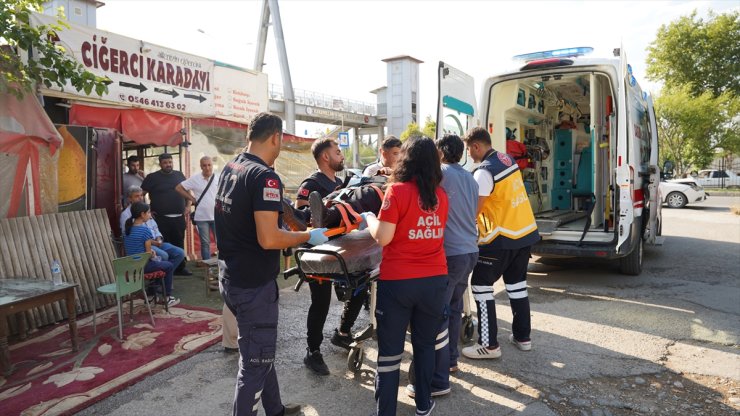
(351, 262)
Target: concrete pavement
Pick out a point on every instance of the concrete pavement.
(664, 342)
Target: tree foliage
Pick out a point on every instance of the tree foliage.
(691, 128)
(429, 130)
(703, 54)
(47, 63)
(698, 62)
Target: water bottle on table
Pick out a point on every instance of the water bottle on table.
(56, 272)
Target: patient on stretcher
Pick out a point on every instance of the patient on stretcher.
(344, 206)
(337, 209)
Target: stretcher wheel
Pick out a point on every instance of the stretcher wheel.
(355, 359)
(412, 373)
(468, 329)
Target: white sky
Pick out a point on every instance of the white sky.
(336, 47)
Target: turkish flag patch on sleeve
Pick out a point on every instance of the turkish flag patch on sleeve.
(303, 192)
(272, 183)
(271, 191)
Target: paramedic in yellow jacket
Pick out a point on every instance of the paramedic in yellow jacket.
(506, 232)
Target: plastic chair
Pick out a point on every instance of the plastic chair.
(129, 272)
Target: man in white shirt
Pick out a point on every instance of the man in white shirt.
(390, 152)
(192, 189)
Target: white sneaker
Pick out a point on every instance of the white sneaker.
(172, 301)
(411, 391)
(426, 412)
(478, 352)
(522, 345)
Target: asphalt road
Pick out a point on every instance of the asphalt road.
(664, 342)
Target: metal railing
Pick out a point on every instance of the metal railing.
(317, 99)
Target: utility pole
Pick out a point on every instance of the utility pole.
(270, 9)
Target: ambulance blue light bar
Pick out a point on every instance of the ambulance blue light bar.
(556, 53)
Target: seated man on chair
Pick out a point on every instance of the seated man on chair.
(166, 251)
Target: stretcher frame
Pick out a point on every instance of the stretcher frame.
(347, 284)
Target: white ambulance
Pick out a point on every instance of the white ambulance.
(591, 159)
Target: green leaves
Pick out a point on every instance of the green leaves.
(691, 128)
(704, 54)
(698, 62)
(429, 130)
(48, 64)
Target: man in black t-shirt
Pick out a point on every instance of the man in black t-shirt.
(329, 160)
(250, 236)
(168, 206)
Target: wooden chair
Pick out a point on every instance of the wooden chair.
(129, 273)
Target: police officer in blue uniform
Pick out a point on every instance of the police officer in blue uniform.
(249, 225)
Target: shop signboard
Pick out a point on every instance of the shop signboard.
(239, 94)
(142, 74)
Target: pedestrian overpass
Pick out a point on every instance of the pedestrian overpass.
(328, 109)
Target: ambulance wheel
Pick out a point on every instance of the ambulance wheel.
(355, 359)
(468, 329)
(631, 264)
(412, 373)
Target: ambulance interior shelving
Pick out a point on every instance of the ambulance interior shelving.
(585, 138)
(566, 169)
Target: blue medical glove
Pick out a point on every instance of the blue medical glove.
(364, 216)
(317, 236)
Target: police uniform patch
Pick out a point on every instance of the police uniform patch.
(271, 194)
(504, 158)
(303, 192)
(271, 183)
(271, 191)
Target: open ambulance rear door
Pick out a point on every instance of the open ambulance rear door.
(624, 170)
(655, 214)
(455, 102)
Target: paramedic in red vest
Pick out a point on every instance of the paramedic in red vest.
(324, 181)
(413, 273)
(506, 232)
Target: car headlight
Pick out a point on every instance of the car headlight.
(695, 187)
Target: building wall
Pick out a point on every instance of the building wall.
(79, 12)
(402, 94)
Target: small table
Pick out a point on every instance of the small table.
(20, 294)
(211, 266)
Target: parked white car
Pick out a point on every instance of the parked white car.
(678, 194)
(712, 178)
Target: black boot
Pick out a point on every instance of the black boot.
(292, 218)
(318, 210)
(315, 361)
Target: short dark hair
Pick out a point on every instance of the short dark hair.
(262, 126)
(477, 134)
(319, 145)
(452, 147)
(164, 156)
(390, 142)
(131, 159)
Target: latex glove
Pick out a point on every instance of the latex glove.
(317, 236)
(365, 216)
